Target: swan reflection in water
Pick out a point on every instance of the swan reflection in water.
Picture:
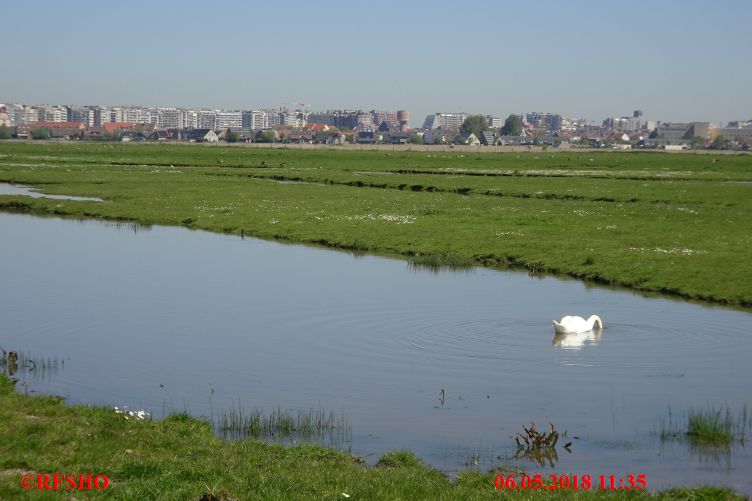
(576, 340)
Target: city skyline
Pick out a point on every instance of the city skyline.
(678, 62)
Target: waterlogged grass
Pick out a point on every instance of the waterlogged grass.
(439, 262)
(180, 457)
(286, 426)
(670, 223)
(710, 426)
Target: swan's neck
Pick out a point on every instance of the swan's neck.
(595, 320)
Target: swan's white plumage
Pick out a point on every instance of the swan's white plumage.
(572, 324)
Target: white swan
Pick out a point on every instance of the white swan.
(570, 325)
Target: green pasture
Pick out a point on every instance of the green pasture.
(676, 224)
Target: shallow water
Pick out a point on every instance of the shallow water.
(17, 189)
(173, 319)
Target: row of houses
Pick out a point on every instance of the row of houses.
(124, 131)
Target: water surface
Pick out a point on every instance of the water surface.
(17, 189)
(172, 319)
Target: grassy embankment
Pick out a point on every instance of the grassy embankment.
(181, 458)
(672, 223)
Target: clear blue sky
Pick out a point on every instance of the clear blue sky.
(676, 60)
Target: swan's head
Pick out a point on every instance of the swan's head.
(596, 321)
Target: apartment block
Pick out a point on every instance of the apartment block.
(26, 115)
(170, 118)
(451, 121)
(228, 119)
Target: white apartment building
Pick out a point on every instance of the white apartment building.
(101, 116)
(48, 113)
(170, 118)
(229, 119)
(132, 114)
(494, 122)
(572, 124)
(275, 118)
(256, 119)
(10, 109)
(116, 115)
(207, 119)
(26, 115)
(5, 119)
(190, 119)
(81, 114)
(390, 117)
(444, 121)
(292, 119)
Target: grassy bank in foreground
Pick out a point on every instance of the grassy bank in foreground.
(675, 224)
(180, 458)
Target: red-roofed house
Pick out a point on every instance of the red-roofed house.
(317, 127)
(62, 130)
(110, 127)
(60, 125)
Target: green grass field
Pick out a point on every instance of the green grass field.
(180, 458)
(677, 224)
(670, 223)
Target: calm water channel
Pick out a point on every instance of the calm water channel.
(170, 319)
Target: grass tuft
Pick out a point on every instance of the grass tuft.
(709, 427)
(439, 262)
(399, 459)
(312, 425)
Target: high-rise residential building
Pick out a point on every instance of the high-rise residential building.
(49, 113)
(135, 114)
(101, 116)
(4, 117)
(494, 122)
(626, 124)
(229, 119)
(292, 119)
(365, 119)
(82, 114)
(739, 124)
(207, 119)
(572, 124)
(10, 109)
(546, 122)
(116, 114)
(190, 119)
(390, 117)
(170, 118)
(275, 117)
(337, 118)
(451, 121)
(26, 115)
(256, 119)
(153, 115)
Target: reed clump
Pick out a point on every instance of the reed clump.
(284, 424)
(439, 262)
(710, 426)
